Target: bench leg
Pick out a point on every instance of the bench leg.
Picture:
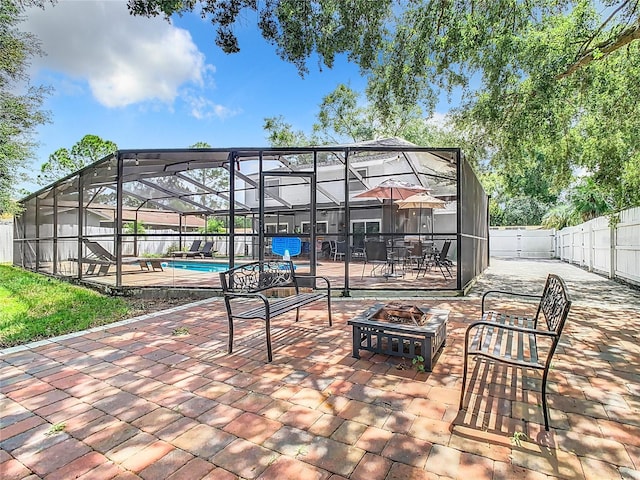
(464, 369)
(545, 409)
(269, 353)
(230, 349)
(329, 308)
(297, 314)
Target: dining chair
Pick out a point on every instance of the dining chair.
(375, 253)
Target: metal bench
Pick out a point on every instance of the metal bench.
(253, 282)
(517, 339)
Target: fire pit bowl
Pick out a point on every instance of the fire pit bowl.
(405, 314)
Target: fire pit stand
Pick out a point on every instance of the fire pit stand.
(400, 331)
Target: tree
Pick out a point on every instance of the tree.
(20, 113)
(215, 179)
(549, 79)
(452, 33)
(588, 200)
(281, 134)
(214, 225)
(134, 228)
(345, 116)
(63, 162)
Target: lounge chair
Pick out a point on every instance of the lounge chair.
(207, 250)
(193, 250)
(103, 259)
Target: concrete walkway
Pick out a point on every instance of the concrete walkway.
(159, 398)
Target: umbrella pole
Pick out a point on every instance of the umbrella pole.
(432, 225)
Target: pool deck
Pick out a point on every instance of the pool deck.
(158, 397)
(359, 277)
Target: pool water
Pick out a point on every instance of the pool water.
(195, 266)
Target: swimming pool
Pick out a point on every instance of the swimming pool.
(196, 266)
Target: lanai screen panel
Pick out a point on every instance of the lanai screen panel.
(172, 197)
(474, 228)
(46, 244)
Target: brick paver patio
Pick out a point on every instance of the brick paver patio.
(140, 399)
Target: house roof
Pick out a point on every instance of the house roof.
(151, 217)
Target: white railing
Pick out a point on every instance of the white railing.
(598, 246)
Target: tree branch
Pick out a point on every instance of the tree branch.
(625, 37)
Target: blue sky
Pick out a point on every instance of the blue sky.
(148, 83)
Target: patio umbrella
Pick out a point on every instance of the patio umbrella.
(392, 189)
(422, 200)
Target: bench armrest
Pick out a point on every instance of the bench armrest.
(503, 293)
(255, 296)
(315, 277)
(513, 328)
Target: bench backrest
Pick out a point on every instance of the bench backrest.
(555, 304)
(258, 276)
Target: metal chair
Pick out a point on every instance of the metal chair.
(375, 253)
(338, 250)
(441, 261)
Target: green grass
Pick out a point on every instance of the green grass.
(34, 307)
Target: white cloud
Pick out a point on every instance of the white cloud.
(203, 108)
(124, 59)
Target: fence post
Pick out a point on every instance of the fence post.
(591, 246)
(612, 249)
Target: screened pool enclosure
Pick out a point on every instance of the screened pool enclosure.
(175, 217)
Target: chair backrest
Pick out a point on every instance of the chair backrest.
(416, 250)
(555, 304)
(99, 251)
(279, 245)
(445, 249)
(195, 246)
(341, 247)
(258, 276)
(375, 251)
(207, 247)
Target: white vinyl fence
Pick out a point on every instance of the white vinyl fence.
(6, 241)
(151, 246)
(613, 250)
(522, 243)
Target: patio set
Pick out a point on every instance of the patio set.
(417, 333)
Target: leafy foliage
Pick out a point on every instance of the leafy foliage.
(297, 28)
(548, 87)
(63, 162)
(214, 225)
(134, 227)
(20, 113)
(282, 134)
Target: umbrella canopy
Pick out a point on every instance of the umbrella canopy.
(421, 200)
(393, 189)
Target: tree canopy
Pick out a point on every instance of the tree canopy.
(63, 161)
(547, 87)
(20, 113)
